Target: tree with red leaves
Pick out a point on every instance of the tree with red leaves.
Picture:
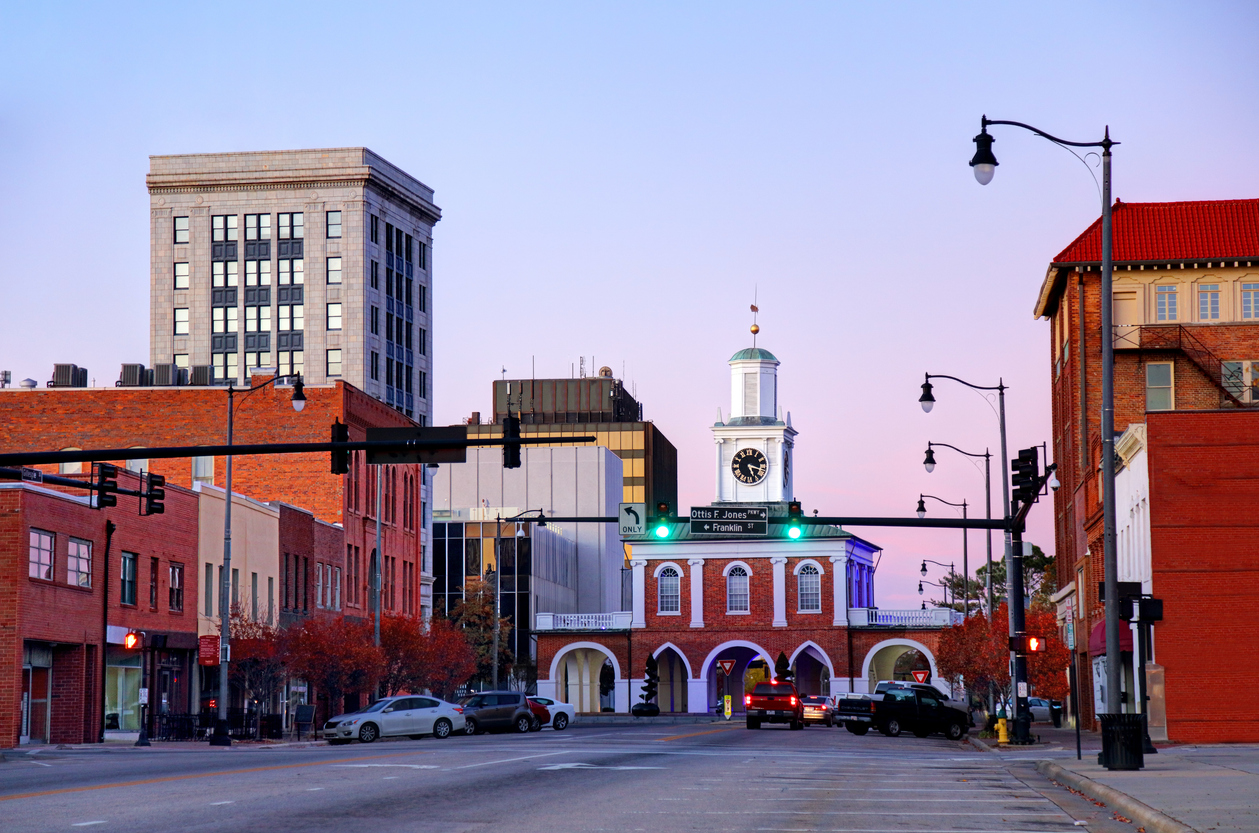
(977, 652)
(335, 655)
(257, 665)
(448, 658)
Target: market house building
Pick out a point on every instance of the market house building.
(699, 601)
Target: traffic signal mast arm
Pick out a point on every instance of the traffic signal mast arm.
(1025, 506)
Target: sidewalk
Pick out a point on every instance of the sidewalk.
(1205, 788)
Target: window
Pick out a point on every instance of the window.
(291, 363)
(423, 342)
(336, 584)
(334, 316)
(181, 361)
(182, 276)
(375, 225)
(257, 320)
(224, 319)
(1209, 302)
(154, 564)
(209, 590)
(226, 366)
(70, 468)
(388, 327)
(257, 226)
(291, 227)
(375, 321)
(737, 590)
(270, 599)
(79, 563)
(127, 590)
(223, 228)
(334, 270)
(1165, 306)
(1158, 387)
(225, 273)
(334, 362)
(41, 554)
(181, 321)
(292, 317)
(257, 273)
(375, 275)
(423, 385)
(181, 230)
(235, 586)
(389, 237)
(1250, 300)
(669, 590)
(375, 368)
(423, 293)
(253, 596)
(292, 271)
(203, 470)
(334, 224)
(177, 587)
(809, 589)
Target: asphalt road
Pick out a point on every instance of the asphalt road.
(653, 778)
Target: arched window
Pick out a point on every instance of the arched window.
(737, 590)
(669, 591)
(809, 589)
(71, 468)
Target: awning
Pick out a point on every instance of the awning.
(1097, 639)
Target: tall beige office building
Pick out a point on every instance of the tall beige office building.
(312, 261)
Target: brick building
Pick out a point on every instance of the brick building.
(701, 599)
(70, 590)
(1186, 316)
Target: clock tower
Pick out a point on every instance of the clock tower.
(755, 444)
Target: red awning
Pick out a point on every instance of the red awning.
(1097, 639)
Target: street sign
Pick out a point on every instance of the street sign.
(144, 697)
(1022, 690)
(455, 433)
(633, 518)
(32, 475)
(728, 706)
(726, 666)
(729, 520)
(207, 650)
(921, 676)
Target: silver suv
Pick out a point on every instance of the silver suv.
(496, 710)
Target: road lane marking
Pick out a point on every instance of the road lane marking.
(313, 789)
(512, 760)
(219, 803)
(394, 766)
(558, 767)
(87, 823)
(148, 781)
(697, 734)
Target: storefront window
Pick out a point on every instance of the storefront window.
(122, 691)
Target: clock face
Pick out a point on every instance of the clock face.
(749, 466)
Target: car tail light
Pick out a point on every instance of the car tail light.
(871, 707)
(747, 699)
(793, 699)
(459, 709)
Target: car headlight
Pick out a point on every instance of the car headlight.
(345, 723)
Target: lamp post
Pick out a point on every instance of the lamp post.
(922, 513)
(929, 463)
(927, 561)
(985, 163)
(498, 572)
(221, 736)
(942, 586)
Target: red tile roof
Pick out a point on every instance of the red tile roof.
(1172, 231)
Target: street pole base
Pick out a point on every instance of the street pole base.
(220, 736)
(143, 740)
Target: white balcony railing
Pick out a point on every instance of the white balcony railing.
(619, 621)
(936, 617)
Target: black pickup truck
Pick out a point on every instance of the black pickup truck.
(919, 709)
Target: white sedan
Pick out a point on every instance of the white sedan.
(561, 713)
(406, 715)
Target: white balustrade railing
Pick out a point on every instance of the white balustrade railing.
(936, 617)
(583, 621)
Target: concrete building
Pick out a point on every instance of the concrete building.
(1186, 326)
(563, 567)
(315, 261)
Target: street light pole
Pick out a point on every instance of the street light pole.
(984, 164)
(930, 463)
(222, 735)
(498, 526)
(922, 511)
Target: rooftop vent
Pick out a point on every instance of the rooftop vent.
(134, 376)
(165, 375)
(29, 384)
(68, 376)
(202, 374)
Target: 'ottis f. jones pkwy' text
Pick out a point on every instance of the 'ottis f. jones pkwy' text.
(729, 513)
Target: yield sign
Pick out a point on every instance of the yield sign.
(921, 676)
(726, 666)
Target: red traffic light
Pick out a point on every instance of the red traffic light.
(1035, 643)
(132, 640)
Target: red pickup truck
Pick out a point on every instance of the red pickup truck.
(774, 702)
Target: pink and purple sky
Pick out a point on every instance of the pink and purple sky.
(619, 179)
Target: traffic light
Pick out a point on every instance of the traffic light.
(154, 494)
(1026, 473)
(340, 457)
(661, 526)
(106, 485)
(794, 512)
(133, 640)
(511, 442)
(1024, 644)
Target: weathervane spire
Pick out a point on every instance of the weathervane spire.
(755, 310)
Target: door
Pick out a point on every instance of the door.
(505, 708)
(425, 715)
(398, 717)
(930, 713)
(35, 704)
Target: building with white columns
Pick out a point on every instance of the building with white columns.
(716, 610)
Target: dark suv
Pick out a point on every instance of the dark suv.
(491, 710)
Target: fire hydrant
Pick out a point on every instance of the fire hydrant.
(1002, 733)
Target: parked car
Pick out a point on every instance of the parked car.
(541, 715)
(405, 715)
(819, 708)
(774, 702)
(920, 709)
(1040, 708)
(561, 714)
(496, 710)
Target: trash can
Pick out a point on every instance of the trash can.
(1121, 741)
(1055, 712)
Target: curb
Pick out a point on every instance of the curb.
(1141, 813)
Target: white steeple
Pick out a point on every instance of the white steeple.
(754, 446)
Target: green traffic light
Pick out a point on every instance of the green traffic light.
(793, 532)
(662, 531)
